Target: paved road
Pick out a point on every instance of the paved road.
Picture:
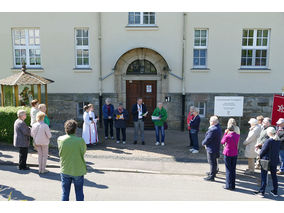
(108, 184)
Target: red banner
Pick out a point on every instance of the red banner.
(278, 108)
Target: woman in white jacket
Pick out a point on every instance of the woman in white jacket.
(250, 142)
(87, 131)
(41, 135)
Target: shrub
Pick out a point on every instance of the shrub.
(8, 115)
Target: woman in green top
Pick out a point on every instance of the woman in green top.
(159, 117)
(42, 108)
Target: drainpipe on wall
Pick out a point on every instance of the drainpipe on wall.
(100, 65)
(183, 76)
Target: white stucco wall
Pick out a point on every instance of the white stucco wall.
(224, 53)
(224, 49)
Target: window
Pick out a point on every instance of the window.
(141, 18)
(80, 108)
(26, 46)
(82, 48)
(255, 48)
(200, 48)
(141, 67)
(202, 109)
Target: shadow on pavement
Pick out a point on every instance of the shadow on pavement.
(5, 156)
(6, 191)
(248, 184)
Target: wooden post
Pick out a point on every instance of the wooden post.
(33, 91)
(16, 89)
(39, 93)
(46, 102)
(2, 95)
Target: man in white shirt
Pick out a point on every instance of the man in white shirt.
(139, 112)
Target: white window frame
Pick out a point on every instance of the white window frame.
(141, 20)
(26, 47)
(201, 48)
(204, 114)
(254, 47)
(81, 47)
(78, 108)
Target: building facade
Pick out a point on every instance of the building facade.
(180, 59)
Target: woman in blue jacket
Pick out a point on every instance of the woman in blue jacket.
(270, 151)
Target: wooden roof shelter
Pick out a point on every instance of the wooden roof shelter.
(24, 78)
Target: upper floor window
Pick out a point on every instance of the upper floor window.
(82, 48)
(200, 48)
(141, 18)
(26, 46)
(141, 67)
(255, 44)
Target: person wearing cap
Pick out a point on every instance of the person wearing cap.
(250, 142)
(280, 133)
(120, 119)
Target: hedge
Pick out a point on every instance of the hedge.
(8, 115)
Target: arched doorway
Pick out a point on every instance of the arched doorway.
(141, 72)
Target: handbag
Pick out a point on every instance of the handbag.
(264, 164)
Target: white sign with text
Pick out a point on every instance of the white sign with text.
(229, 106)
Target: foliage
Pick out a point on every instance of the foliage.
(8, 116)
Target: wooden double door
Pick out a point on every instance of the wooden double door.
(146, 90)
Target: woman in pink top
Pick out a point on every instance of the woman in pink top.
(230, 141)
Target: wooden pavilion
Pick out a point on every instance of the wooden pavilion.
(24, 78)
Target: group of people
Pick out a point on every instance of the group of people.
(119, 117)
(264, 146)
(264, 143)
(39, 131)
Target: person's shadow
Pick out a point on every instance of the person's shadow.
(248, 184)
(11, 193)
(55, 176)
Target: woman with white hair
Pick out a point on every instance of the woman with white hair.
(270, 151)
(160, 116)
(250, 142)
(233, 122)
(41, 135)
(22, 138)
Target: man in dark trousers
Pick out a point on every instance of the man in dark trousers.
(280, 133)
(22, 139)
(139, 112)
(212, 143)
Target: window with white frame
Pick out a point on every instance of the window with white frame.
(82, 47)
(141, 18)
(80, 108)
(26, 46)
(202, 108)
(200, 48)
(255, 48)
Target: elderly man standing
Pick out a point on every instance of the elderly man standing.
(73, 166)
(262, 138)
(139, 112)
(22, 139)
(212, 143)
